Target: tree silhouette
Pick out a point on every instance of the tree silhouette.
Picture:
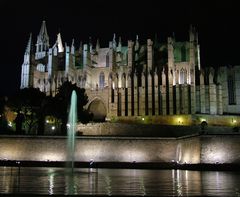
(4, 128)
(61, 102)
(29, 101)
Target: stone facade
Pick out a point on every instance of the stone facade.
(141, 79)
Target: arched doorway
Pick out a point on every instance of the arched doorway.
(98, 109)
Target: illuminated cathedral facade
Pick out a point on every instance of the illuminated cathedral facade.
(137, 79)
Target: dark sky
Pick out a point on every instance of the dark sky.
(217, 23)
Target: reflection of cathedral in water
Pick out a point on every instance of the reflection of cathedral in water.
(140, 79)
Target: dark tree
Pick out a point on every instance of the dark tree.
(30, 102)
(4, 128)
(61, 104)
(19, 122)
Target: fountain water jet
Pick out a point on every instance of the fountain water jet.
(71, 130)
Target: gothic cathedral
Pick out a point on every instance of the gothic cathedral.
(140, 79)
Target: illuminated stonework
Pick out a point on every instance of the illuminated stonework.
(191, 150)
(141, 79)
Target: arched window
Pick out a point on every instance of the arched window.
(101, 80)
(231, 89)
(41, 67)
(181, 78)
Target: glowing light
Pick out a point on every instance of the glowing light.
(47, 121)
(68, 125)
(107, 119)
(218, 156)
(53, 127)
(49, 156)
(10, 124)
(143, 119)
(234, 121)
(91, 162)
(180, 121)
(203, 120)
(113, 85)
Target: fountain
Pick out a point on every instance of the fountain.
(71, 129)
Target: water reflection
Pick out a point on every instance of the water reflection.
(51, 184)
(118, 182)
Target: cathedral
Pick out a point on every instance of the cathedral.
(137, 79)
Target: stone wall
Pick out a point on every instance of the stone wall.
(153, 130)
(188, 150)
(182, 120)
(220, 149)
(125, 129)
(110, 149)
(191, 149)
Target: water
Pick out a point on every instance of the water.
(48, 181)
(71, 129)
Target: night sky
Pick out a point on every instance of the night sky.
(217, 23)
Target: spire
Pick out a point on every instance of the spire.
(97, 45)
(29, 45)
(72, 47)
(114, 41)
(73, 42)
(43, 30)
(137, 43)
(80, 47)
(43, 35)
(196, 37)
(192, 33)
(59, 43)
(119, 42)
(119, 48)
(42, 39)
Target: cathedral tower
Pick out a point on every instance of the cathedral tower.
(27, 67)
(42, 44)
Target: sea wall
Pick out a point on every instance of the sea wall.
(191, 149)
(220, 149)
(110, 149)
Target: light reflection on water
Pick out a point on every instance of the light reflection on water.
(26, 180)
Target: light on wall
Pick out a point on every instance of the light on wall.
(180, 120)
(113, 85)
(203, 120)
